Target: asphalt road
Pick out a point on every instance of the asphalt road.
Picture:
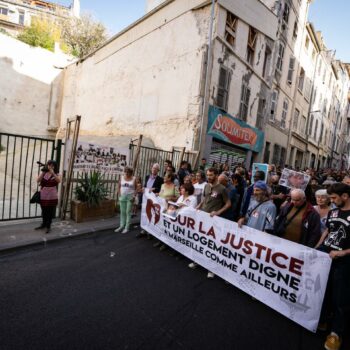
(113, 291)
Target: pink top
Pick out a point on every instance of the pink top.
(48, 192)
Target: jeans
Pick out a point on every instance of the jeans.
(126, 203)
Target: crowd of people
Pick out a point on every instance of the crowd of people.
(317, 217)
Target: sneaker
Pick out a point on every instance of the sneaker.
(125, 231)
(192, 265)
(210, 275)
(119, 229)
(333, 342)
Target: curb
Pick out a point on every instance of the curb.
(54, 239)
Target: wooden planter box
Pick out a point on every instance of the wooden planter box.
(81, 212)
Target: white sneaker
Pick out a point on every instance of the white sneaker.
(125, 231)
(192, 265)
(119, 229)
(210, 275)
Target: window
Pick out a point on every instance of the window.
(285, 15)
(296, 119)
(301, 80)
(324, 75)
(313, 54)
(284, 114)
(311, 125)
(321, 132)
(4, 11)
(267, 153)
(280, 57)
(319, 68)
(267, 62)
(295, 30)
(307, 43)
(253, 34)
(231, 25)
(261, 112)
(223, 88)
(282, 161)
(244, 105)
(274, 99)
(316, 129)
(276, 154)
(291, 70)
(325, 103)
(302, 126)
(307, 91)
(21, 17)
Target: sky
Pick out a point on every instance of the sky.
(332, 17)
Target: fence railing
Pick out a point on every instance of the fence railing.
(148, 156)
(18, 172)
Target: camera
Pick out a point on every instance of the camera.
(44, 167)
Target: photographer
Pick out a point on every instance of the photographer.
(48, 181)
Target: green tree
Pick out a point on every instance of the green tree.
(83, 35)
(41, 33)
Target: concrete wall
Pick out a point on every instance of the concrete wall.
(30, 88)
(144, 81)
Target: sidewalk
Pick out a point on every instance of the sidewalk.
(14, 235)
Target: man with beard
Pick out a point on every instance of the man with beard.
(278, 192)
(261, 212)
(336, 242)
(215, 202)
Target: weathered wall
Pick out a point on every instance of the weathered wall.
(145, 81)
(30, 88)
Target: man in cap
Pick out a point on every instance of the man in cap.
(261, 212)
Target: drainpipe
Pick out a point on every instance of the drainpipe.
(205, 102)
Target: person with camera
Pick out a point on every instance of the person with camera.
(48, 181)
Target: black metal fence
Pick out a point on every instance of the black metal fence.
(148, 156)
(18, 172)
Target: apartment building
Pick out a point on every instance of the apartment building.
(195, 74)
(15, 15)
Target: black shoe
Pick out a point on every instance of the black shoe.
(39, 227)
(48, 230)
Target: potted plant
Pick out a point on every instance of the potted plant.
(91, 201)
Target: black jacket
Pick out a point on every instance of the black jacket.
(158, 182)
(310, 226)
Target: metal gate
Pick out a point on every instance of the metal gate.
(19, 157)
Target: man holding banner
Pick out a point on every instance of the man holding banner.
(336, 241)
(215, 202)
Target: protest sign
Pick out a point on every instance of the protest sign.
(261, 167)
(288, 277)
(293, 179)
(93, 157)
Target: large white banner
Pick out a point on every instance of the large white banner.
(93, 157)
(288, 277)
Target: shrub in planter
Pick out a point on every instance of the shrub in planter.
(91, 199)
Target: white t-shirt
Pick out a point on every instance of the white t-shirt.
(199, 190)
(190, 201)
(127, 187)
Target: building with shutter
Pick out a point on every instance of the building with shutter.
(15, 15)
(194, 74)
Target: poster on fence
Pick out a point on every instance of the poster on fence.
(293, 179)
(93, 157)
(286, 276)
